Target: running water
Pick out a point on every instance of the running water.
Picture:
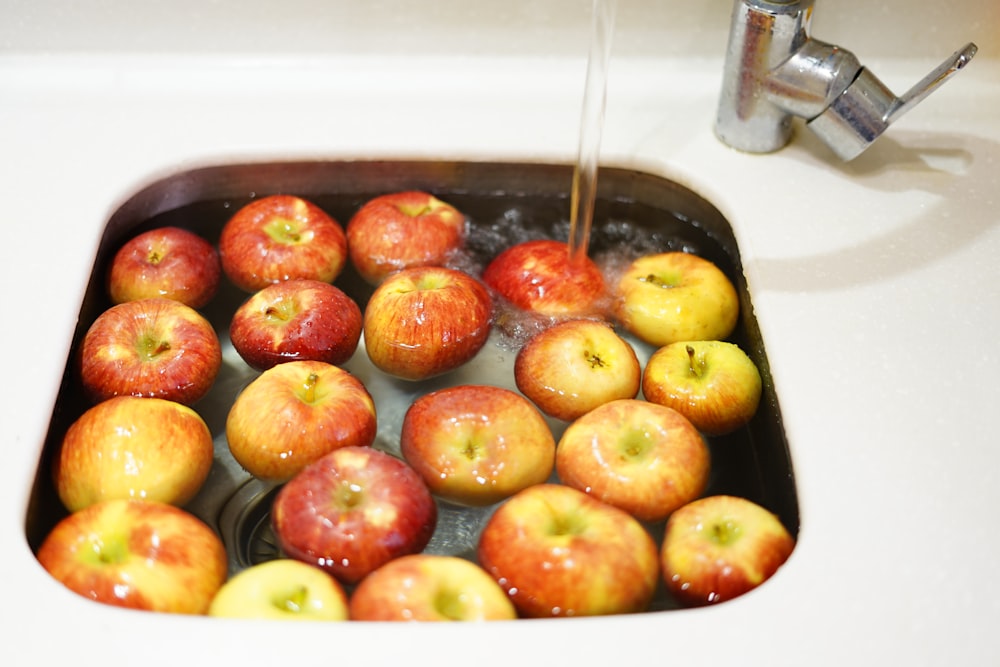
(584, 189)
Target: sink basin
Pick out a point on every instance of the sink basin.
(635, 213)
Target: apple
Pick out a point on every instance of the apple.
(477, 444)
(139, 554)
(426, 321)
(281, 237)
(430, 587)
(560, 552)
(539, 276)
(573, 366)
(644, 458)
(129, 447)
(719, 547)
(283, 589)
(672, 296)
(400, 230)
(296, 412)
(296, 319)
(712, 383)
(169, 262)
(352, 511)
(155, 348)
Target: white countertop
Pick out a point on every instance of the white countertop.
(876, 285)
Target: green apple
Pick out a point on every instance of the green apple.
(282, 590)
(671, 296)
(712, 383)
(719, 547)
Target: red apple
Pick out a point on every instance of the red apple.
(352, 511)
(574, 366)
(281, 237)
(138, 554)
(426, 321)
(428, 587)
(296, 412)
(128, 447)
(712, 383)
(477, 444)
(644, 458)
(539, 276)
(156, 348)
(281, 590)
(167, 262)
(672, 296)
(720, 547)
(296, 320)
(560, 552)
(401, 230)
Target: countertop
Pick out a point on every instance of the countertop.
(876, 285)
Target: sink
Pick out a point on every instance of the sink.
(635, 212)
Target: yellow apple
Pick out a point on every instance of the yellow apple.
(281, 590)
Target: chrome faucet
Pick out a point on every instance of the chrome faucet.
(774, 71)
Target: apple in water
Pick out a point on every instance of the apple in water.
(576, 365)
(129, 447)
(400, 230)
(281, 590)
(426, 321)
(296, 320)
(644, 458)
(168, 262)
(712, 383)
(540, 276)
(477, 444)
(430, 587)
(560, 552)
(294, 413)
(352, 511)
(672, 296)
(155, 348)
(139, 554)
(719, 547)
(281, 237)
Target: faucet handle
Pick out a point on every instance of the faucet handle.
(867, 107)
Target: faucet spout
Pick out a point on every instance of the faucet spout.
(775, 72)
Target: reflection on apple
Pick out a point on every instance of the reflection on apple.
(128, 447)
(138, 554)
(712, 383)
(644, 458)
(719, 547)
(281, 590)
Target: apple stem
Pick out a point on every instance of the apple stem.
(696, 367)
(295, 600)
(310, 388)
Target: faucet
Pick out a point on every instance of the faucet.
(774, 71)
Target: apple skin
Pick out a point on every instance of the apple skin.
(168, 262)
(712, 383)
(293, 320)
(644, 458)
(138, 554)
(426, 321)
(560, 552)
(152, 348)
(720, 547)
(477, 444)
(128, 447)
(312, 408)
(672, 296)
(352, 511)
(281, 237)
(428, 587)
(539, 276)
(281, 590)
(401, 230)
(576, 365)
